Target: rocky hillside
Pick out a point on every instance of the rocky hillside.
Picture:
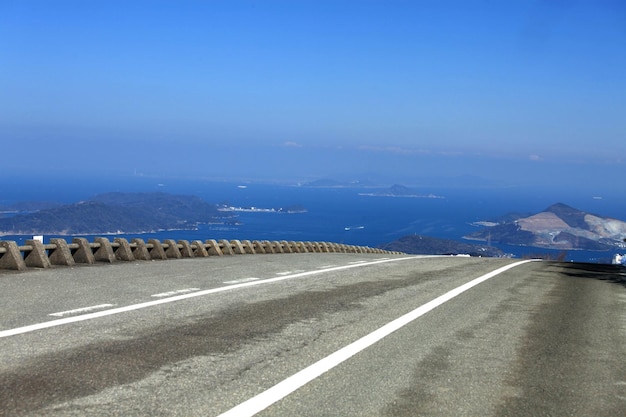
(557, 227)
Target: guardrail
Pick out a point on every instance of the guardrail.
(36, 254)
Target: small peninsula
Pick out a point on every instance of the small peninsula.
(426, 245)
(114, 213)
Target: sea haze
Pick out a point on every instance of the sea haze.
(340, 214)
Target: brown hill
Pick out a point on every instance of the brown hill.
(558, 227)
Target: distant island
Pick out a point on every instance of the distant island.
(331, 183)
(113, 213)
(397, 190)
(425, 245)
(558, 227)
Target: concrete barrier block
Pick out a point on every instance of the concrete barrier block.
(311, 247)
(83, 254)
(268, 247)
(37, 257)
(293, 246)
(104, 253)
(172, 251)
(285, 246)
(156, 250)
(248, 247)
(140, 252)
(199, 249)
(301, 247)
(237, 247)
(123, 252)
(227, 248)
(323, 247)
(61, 255)
(186, 251)
(278, 248)
(258, 246)
(214, 248)
(12, 256)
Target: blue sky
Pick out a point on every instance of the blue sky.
(510, 90)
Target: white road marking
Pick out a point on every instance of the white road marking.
(297, 271)
(326, 266)
(81, 310)
(239, 281)
(110, 312)
(282, 389)
(170, 293)
(356, 262)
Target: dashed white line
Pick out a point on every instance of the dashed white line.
(279, 391)
(239, 281)
(112, 311)
(175, 292)
(81, 310)
(297, 271)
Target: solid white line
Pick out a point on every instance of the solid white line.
(98, 314)
(290, 272)
(282, 389)
(81, 310)
(170, 293)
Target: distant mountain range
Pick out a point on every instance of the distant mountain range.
(425, 245)
(557, 227)
(114, 213)
(369, 180)
(332, 183)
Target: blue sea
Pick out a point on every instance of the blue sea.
(341, 214)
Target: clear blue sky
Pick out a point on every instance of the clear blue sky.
(503, 89)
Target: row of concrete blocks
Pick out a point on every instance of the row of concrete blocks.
(35, 254)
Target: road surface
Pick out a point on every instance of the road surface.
(314, 335)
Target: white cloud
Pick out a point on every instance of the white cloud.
(292, 144)
(534, 157)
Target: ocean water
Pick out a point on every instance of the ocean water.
(336, 214)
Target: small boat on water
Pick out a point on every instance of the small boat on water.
(348, 228)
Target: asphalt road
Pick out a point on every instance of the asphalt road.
(314, 335)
